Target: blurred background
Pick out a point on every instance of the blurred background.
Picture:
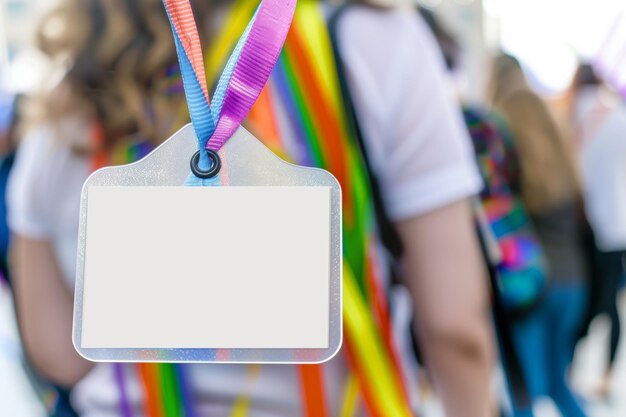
(548, 37)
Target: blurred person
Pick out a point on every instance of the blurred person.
(11, 115)
(599, 116)
(549, 188)
(511, 250)
(419, 152)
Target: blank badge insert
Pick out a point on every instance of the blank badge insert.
(207, 267)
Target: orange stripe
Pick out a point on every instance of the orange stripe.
(330, 133)
(150, 381)
(314, 401)
(100, 157)
(262, 118)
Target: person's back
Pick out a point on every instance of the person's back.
(599, 118)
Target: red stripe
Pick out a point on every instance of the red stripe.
(381, 308)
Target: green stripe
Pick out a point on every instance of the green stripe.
(169, 391)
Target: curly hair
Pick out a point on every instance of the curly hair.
(118, 55)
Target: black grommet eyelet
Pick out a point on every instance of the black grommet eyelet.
(216, 165)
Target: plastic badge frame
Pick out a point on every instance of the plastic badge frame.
(245, 162)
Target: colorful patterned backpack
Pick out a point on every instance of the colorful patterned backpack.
(522, 266)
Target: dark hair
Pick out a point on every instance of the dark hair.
(586, 76)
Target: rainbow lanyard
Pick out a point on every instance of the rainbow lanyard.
(245, 73)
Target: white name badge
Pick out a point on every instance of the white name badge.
(247, 270)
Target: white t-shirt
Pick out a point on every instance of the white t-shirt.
(418, 147)
(603, 166)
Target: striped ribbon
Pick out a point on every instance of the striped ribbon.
(244, 75)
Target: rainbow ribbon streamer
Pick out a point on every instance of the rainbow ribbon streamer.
(310, 127)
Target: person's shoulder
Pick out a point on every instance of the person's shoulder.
(389, 47)
(45, 169)
(377, 15)
(48, 140)
(385, 27)
(46, 155)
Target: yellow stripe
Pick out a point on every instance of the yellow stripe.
(311, 23)
(350, 396)
(243, 403)
(369, 352)
(235, 23)
(241, 408)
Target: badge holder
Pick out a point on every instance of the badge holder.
(225, 254)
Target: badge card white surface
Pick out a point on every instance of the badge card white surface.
(245, 270)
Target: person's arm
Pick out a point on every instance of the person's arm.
(445, 273)
(420, 151)
(37, 197)
(44, 306)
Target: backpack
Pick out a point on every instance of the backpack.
(521, 269)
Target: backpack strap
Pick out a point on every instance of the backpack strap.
(518, 388)
(388, 234)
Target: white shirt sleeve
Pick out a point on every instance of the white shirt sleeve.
(43, 194)
(416, 140)
(25, 205)
(44, 187)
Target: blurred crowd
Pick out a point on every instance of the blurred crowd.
(543, 183)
